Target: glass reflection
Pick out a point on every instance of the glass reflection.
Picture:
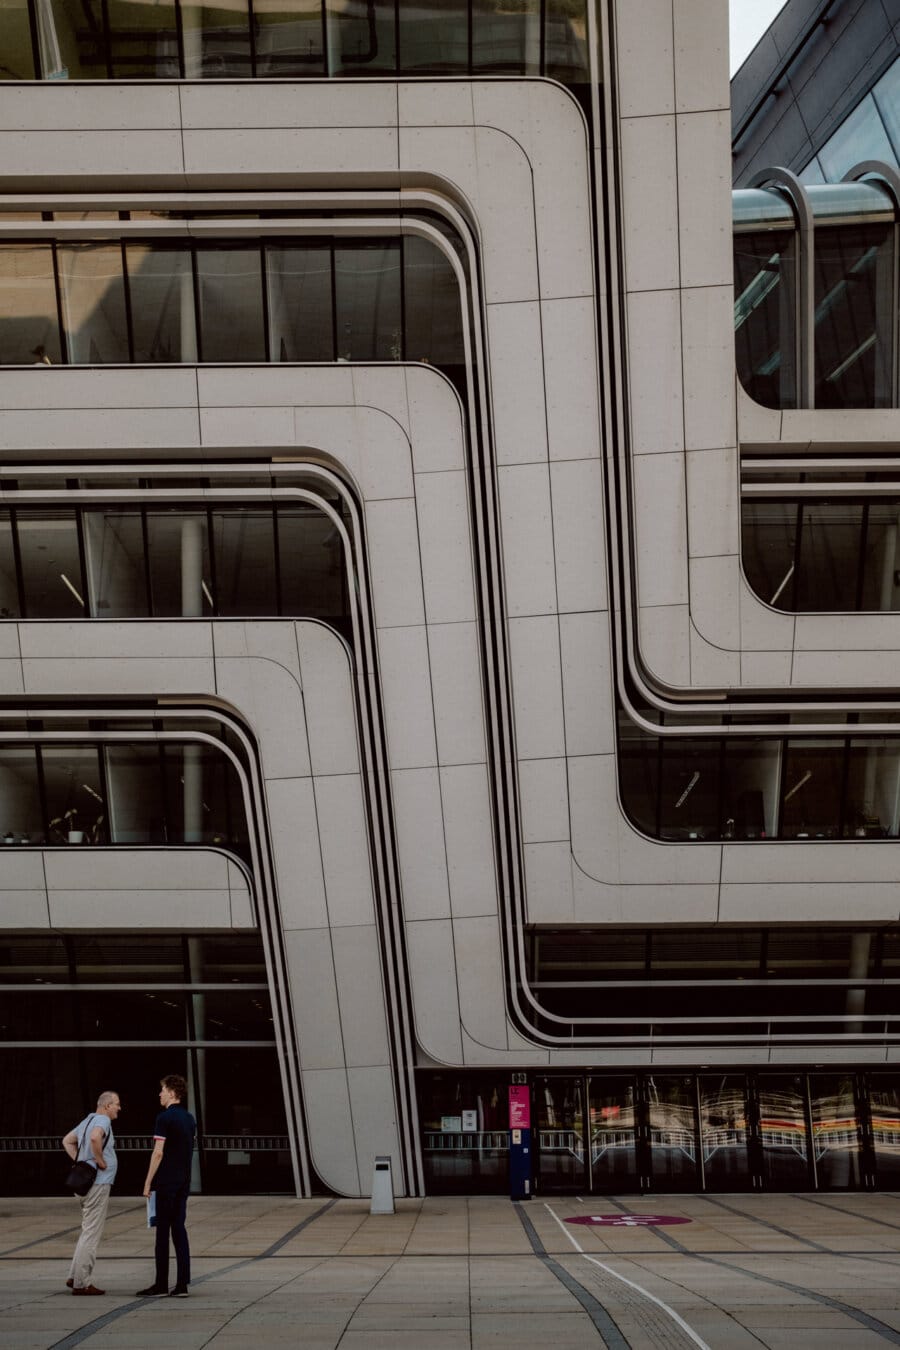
(873, 790)
(764, 316)
(434, 36)
(180, 573)
(559, 1119)
(505, 39)
(244, 553)
(835, 1131)
(565, 41)
(828, 562)
(811, 791)
(216, 39)
(137, 812)
(75, 803)
(92, 294)
(433, 314)
(71, 39)
(143, 39)
(690, 792)
(361, 37)
(29, 331)
(613, 1124)
(161, 286)
(51, 565)
(312, 571)
(17, 62)
(783, 1132)
(301, 316)
(750, 778)
(288, 37)
(884, 1115)
(854, 270)
(114, 549)
(724, 1132)
(367, 301)
(672, 1121)
(21, 818)
(229, 282)
(465, 1132)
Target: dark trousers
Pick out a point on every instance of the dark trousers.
(171, 1207)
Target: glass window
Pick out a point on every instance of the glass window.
(9, 588)
(117, 580)
(301, 318)
(724, 1130)
(506, 38)
(887, 99)
(860, 136)
(811, 792)
(17, 62)
(311, 564)
(853, 337)
(434, 37)
(29, 321)
(432, 306)
(828, 566)
(136, 807)
(361, 37)
(872, 809)
(835, 1130)
(638, 765)
(21, 821)
(163, 313)
(51, 565)
(244, 544)
(565, 41)
(884, 1106)
(142, 958)
(216, 40)
(464, 1161)
(231, 309)
(768, 541)
(203, 797)
(367, 297)
(72, 39)
(783, 1132)
(180, 577)
(76, 808)
(288, 37)
(143, 39)
(33, 960)
(672, 1118)
(689, 799)
(93, 303)
(881, 557)
(750, 779)
(764, 316)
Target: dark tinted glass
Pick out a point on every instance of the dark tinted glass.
(288, 37)
(689, 797)
(361, 37)
(829, 560)
(565, 41)
(811, 790)
(216, 40)
(72, 40)
(854, 342)
(244, 551)
(231, 309)
(180, 576)
(117, 580)
(161, 285)
(638, 765)
(506, 38)
(750, 781)
(301, 318)
(872, 808)
(9, 589)
(432, 306)
(92, 294)
(51, 565)
(26, 960)
(137, 812)
(143, 39)
(768, 543)
(21, 819)
(17, 62)
(764, 322)
(29, 325)
(76, 807)
(367, 297)
(434, 37)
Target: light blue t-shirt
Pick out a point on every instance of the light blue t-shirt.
(86, 1153)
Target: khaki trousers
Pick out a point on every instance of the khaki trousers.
(93, 1217)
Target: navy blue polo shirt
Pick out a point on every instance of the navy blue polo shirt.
(176, 1127)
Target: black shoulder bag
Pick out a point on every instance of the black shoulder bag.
(81, 1175)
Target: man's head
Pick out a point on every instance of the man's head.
(108, 1104)
(172, 1088)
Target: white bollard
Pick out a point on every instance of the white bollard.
(382, 1187)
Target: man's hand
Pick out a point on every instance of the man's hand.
(146, 1192)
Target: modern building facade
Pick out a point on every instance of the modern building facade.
(436, 654)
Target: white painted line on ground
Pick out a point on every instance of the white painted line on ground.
(689, 1331)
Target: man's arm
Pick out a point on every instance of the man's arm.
(98, 1139)
(155, 1159)
(70, 1144)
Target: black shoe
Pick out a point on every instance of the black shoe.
(180, 1291)
(152, 1291)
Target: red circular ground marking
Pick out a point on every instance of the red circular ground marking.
(628, 1220)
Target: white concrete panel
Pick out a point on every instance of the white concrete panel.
(509, 245)
(99, 428)
(445, 152)
(406, 689)
(548, 883)
(756, 425)
(865, 632)
(481, 1000)
(595, 815)
(586, 678)
(432, 968)
(570, 375)
(820, 902)
(445, 545)
(650, 203)
(665, 642)
(247, 426)
(345, 850)
(98, 869)
(712, 502)
(537, 687)
(382, 387)
(435, 421)
(576, 489)
(392, 540)
(257, 639)
(762, 628)
(298, 157)
(125, 640)
(11, 679)
(441, 103)
(270, 698)
(544, 800)
(366, 442)
(704, 199)
(420, 843)
(330, 1122)
(59, 106)
(313, 989)
(838, 426)
(707, 319)
(456, 682)
(180, 909)
(23, 909)
(67, 156)
(328, 696)
(469, 841)
(274, 386)
(655, 373)
(701, 55)
(95, 387)
(714, 600)
(862, 669)
(807, 862)
(644, 49)
(298, 856)
(279, 105)
(374, 1118)
(358, 968)
(660, 527)
(242, 915)
(9, 642)
(111, 675)
(713, 666)
(516, 366)
(663, 903)
(21, 869)
(759, 669)
(527, 525)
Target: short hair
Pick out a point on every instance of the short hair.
(106, 1099)
(175, 1083)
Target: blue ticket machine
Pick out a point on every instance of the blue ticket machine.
(519, 1141)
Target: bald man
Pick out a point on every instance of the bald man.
(92, 1141)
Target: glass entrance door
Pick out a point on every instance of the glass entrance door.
(671, 1105)
(559, 1121)
(614, 1127)
(784, 1132)
(725, 1132)
(836, 1131)
(884, 1129)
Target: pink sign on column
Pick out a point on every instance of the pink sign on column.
(519, 1108)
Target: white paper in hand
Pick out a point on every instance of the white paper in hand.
(151, 1210)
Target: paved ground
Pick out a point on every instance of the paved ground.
(469, 1274)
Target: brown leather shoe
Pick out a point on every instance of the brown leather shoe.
(70, 1283)
(89, 1289)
